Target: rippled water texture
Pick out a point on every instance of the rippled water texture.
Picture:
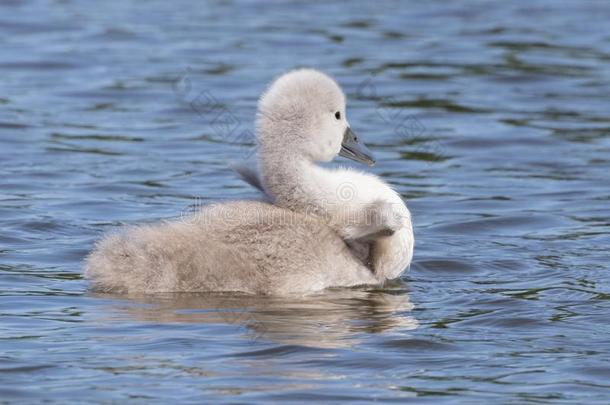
(491, 120)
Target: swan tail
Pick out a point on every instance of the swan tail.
(167, 258)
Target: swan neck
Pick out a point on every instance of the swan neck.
(290, 179)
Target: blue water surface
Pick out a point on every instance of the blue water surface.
(490, 118)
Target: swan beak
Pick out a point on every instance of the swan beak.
(353, 148)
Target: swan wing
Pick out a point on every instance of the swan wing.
(248, 172)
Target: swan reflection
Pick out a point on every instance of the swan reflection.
(333, 319)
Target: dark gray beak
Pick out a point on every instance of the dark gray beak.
(353, 148)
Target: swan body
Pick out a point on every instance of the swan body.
(246, 246)
(320, 228)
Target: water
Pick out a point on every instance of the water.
(491, 119)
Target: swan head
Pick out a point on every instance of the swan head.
(303, 113)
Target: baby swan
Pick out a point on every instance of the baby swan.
(312, 237)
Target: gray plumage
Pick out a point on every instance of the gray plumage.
(308, 237)
(246, 246)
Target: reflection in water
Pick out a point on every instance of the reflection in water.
(332, 319)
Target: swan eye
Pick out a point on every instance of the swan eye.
(338, 115)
